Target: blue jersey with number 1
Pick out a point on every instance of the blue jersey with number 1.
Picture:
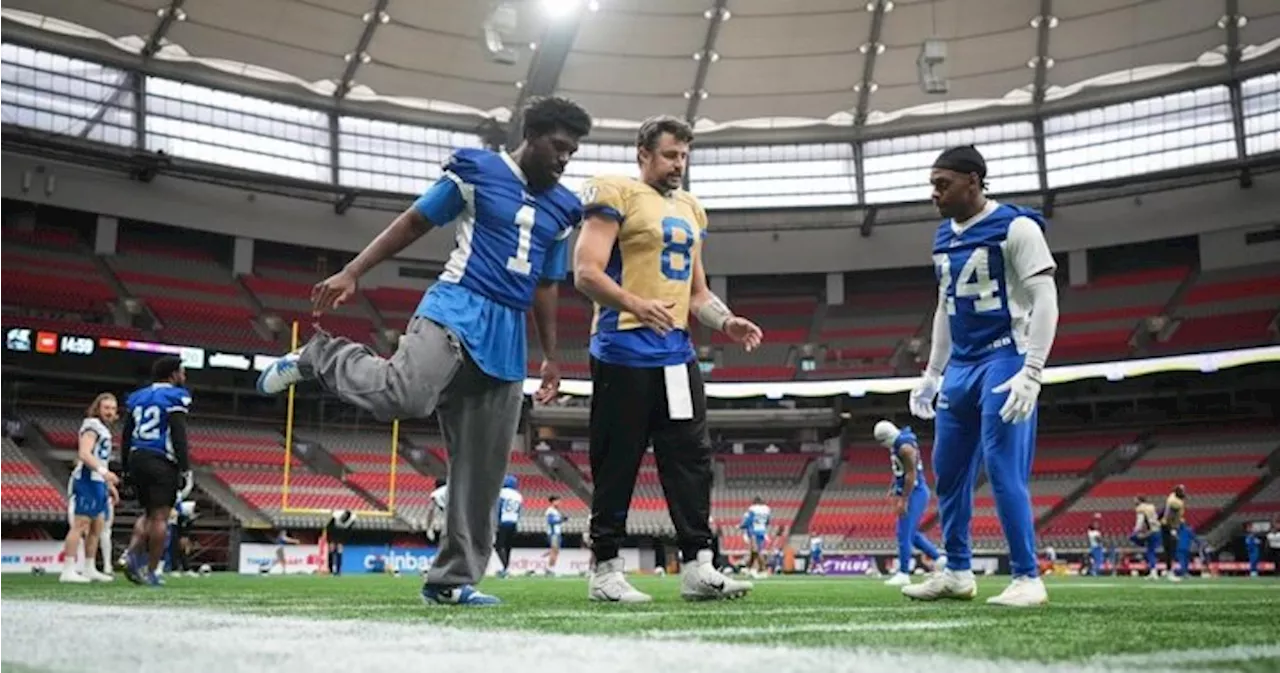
(508, 239)
(151, 408)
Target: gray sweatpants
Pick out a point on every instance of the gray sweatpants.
(431, 371)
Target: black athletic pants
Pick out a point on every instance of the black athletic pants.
(1169, 536)
(504, 543)
(628, 409)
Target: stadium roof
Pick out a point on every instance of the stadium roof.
(754, 64)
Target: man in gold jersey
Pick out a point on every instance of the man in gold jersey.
(1171, 525)
(1146, 533)
(639, 258)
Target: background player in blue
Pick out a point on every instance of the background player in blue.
(1253, 549)
(755, 530)
(92, 487)
(815, 554)
(464, 351)
(510, 503)
(994, 326)
(155, 432)
(1096, 552)
(911, 496)
(555, 532)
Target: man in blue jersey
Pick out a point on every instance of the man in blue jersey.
(1096, 551)
(814, 566)
(510, 503)
(992, 331)
(155, 458)
(464, 352)
(1253, 550)
(910, 493)
(555, 532)
(755, 531)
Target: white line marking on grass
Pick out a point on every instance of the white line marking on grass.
(1205, 585)
(111, 639)
(625, 612)
(1182, 657)
(815, 628)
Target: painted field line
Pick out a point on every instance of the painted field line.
(1193, 585)
(148, 640)
(622, 612)
(1183, 657)
(791, 629)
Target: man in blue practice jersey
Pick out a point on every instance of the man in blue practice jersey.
(510, 502)
(155, 458)
(464, 351)
(910, 493)
(994, 326)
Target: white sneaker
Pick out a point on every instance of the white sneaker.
(73, 577)
(282, 373)
(898, 580)
(191, 573)
(95, 575)
(608, 584)
(957, 584)
(700, 581)
(1022, 592)
(1174, 578)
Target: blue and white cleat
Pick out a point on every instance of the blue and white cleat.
(135, 568)
(463, 595)
(280, 375)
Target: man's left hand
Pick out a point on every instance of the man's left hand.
(1024, 391)
(550, 387)
(744, 332)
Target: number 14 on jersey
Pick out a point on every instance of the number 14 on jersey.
(973, 282)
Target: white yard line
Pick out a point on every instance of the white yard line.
(1189, 585)
(1182, 657)
(789, 629)
(108, 639)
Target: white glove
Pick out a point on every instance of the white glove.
(921, 399)
(188, 483)
(1024, 390)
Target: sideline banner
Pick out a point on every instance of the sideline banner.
(300, 559)
(359, 559)
(574, 561)
(22, 556)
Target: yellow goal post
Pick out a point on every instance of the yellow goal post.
(390, 511)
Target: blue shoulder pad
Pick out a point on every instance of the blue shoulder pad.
(1035, 215)
(906, 436)
(467, 163)
(177, 399)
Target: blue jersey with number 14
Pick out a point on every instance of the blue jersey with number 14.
(508, 239)
(151, 407)
(979, 284)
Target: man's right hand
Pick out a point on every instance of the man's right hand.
(655, 314)
(332, 292)
(921, 399)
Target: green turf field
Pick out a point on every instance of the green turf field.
(834, 624)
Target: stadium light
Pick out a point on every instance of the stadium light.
(558, 9)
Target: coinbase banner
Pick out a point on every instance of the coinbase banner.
(358, 559)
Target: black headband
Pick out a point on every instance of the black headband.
(964, 159)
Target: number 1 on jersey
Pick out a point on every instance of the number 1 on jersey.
(974, 282)
(520, 263)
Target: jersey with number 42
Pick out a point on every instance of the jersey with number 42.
(981, 265)
(508, 239)
(658, 235)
